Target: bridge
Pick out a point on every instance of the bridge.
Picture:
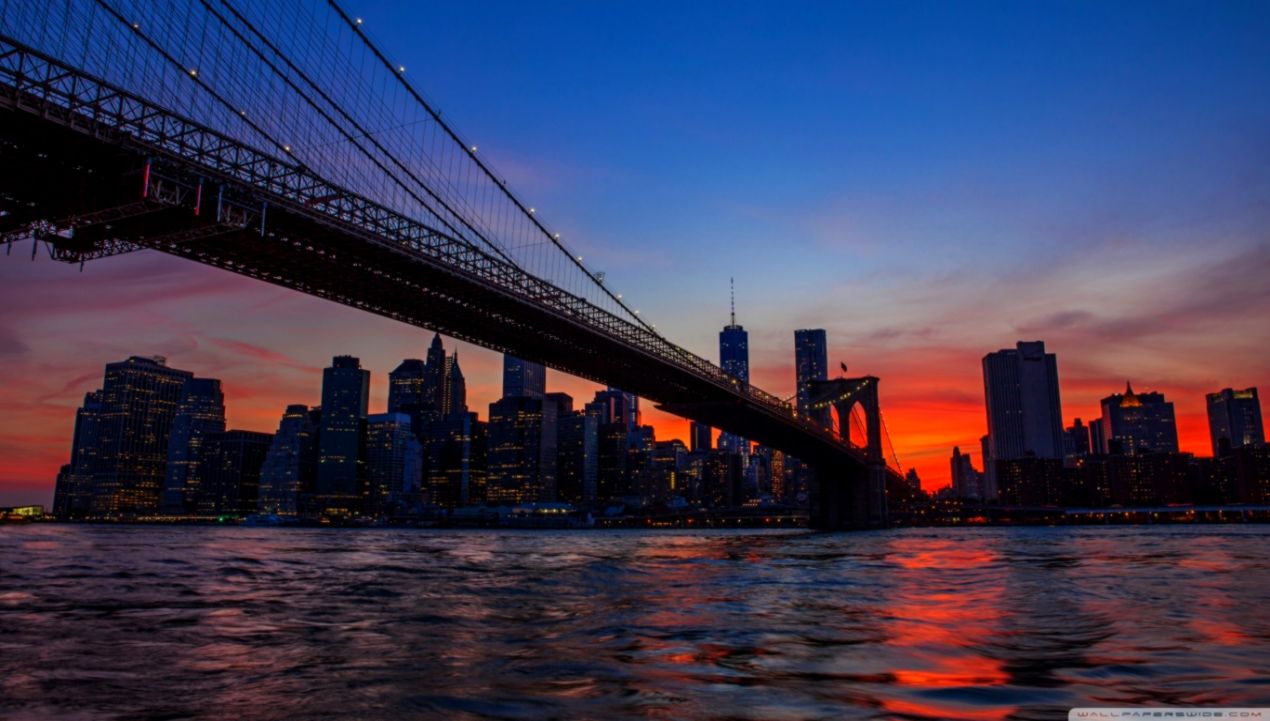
(276, 140)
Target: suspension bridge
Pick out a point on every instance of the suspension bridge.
(276, 140)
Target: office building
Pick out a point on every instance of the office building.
(811, 363)
(139, 400)
(523, 378)
(394, 464)
(734, 359)
(201, 411)
(345, 397)
(1234, 420)
(1138, 423)
(289, 471)
(1025, 416)
(229, 466)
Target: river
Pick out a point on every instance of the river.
(137, 622)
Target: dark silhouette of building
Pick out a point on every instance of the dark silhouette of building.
(394, 464)
(1234, 417)
(345, 399)
(1137, 423)
(577, 446)
(453, 388)
(73, 497)
(1030, 481)
(1076, 440)
(230, 464)
(289, 472)
(700, 437)
(129, 421)
(515, 450)
(406, 386)
(456, 461)
(811, 363)
(201, 412)
(523, 378)
(1025, 416)
(734, 359)
(967, 482)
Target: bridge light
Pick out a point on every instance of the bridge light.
(636, 312)
(136, 26)
(579, 259)
(193, 73)
(531, 210)
(359, 21)
(401, 68)
(286, 148)
(473, 148)
(619, 296)
(556, 236)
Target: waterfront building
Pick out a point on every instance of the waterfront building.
(288, 473)
(457, 461)
(201, 412)
(394, 464)
(406, 386)
(230, 464)
(345, 398)
(515, 450)
(1234, 419)
(577, 445)
(139, 400)
(811, 363)
(1025, 417)
(1137, 423)
(74, 494)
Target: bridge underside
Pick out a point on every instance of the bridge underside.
(100, 193)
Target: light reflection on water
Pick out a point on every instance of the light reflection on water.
(230, 623)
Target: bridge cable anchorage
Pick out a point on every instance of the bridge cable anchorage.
(355, 24)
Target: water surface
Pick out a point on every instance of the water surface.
(131, 622)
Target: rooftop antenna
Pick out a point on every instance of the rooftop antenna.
(732, 288)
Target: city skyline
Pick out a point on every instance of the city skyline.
(1125, 226)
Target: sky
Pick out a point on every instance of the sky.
(929, 182)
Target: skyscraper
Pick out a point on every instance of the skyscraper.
(229, 466)
(345, 398)
(434, 373)
(202, 411)
(74, 496)
(700, 437)
(456, 467)
(289, 470)
(967, 482)
(1025, 417)
(453, 388)
(515, 472)
(406, 386)
(394, 463)
(139, 401)
(811, 363)
(734, 358)
(523, 378)
(1235, 416)
(1137, 423)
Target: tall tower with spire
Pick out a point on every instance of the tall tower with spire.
(734, 358)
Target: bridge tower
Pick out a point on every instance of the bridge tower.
(851, 497)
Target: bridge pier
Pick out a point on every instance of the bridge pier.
(852, 497)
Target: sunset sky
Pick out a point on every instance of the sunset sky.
(929, 182)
